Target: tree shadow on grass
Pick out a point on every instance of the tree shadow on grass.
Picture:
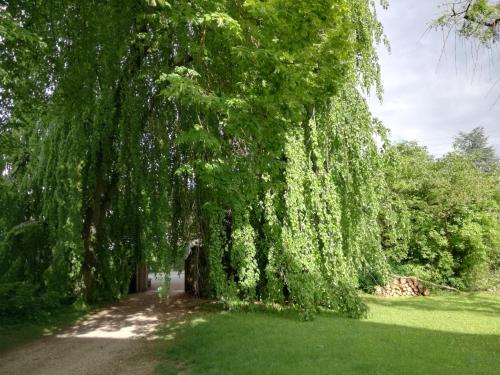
(261, 343)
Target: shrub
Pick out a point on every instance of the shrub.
(442, 217)
(22, 301)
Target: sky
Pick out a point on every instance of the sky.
(432, 89)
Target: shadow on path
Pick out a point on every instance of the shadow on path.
(118, 339)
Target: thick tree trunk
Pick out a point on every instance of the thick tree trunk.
(93, 220)
(196, 271)
(106, 179)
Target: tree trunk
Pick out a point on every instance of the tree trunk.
(94, 218)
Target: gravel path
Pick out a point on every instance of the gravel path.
(119, 339)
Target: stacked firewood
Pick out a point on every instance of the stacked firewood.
(403, 286)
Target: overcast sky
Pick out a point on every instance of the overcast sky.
(429, 96)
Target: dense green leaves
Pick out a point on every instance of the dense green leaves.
(442, 222)
(237, 123)
(131, 128)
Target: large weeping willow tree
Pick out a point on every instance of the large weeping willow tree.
(241, 124)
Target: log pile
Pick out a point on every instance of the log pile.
(403, 286)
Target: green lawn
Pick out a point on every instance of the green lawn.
(435, 335)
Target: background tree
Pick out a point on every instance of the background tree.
(443, 218)
(474, 144)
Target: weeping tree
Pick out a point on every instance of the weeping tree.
(98, 146)
(242, 124)
(472, 19)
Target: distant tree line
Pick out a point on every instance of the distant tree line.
(441, 221)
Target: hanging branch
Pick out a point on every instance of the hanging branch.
(472, 18)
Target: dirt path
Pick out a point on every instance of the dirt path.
(120, 339)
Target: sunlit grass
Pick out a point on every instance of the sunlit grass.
(459, 313)
(452, 334)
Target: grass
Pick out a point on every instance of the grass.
(13, 334)
(447, 334)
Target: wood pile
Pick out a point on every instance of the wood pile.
(403, 286)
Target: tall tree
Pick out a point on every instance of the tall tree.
(238, 123)
(475, 145)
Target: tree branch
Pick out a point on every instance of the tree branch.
(491, 24)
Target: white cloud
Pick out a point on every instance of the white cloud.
(433, 92)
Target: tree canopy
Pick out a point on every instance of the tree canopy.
(441, 218)
(142, 125)
(477, 19)
(131, 128)
(474, 144)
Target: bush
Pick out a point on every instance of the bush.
(17, 300)
(442, 218)
(349, 303)
(21, 301)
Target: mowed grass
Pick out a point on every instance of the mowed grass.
(435, 335)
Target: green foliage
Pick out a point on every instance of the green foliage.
(257, 105)
(442, 219)
(164, 289)
(475, 145)
(21, 301)
(25, 255)
(243, 258)
(478, 19)
(241, 124)
(131, 128)
(348, 303)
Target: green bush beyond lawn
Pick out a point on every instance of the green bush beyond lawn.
(434, 335)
